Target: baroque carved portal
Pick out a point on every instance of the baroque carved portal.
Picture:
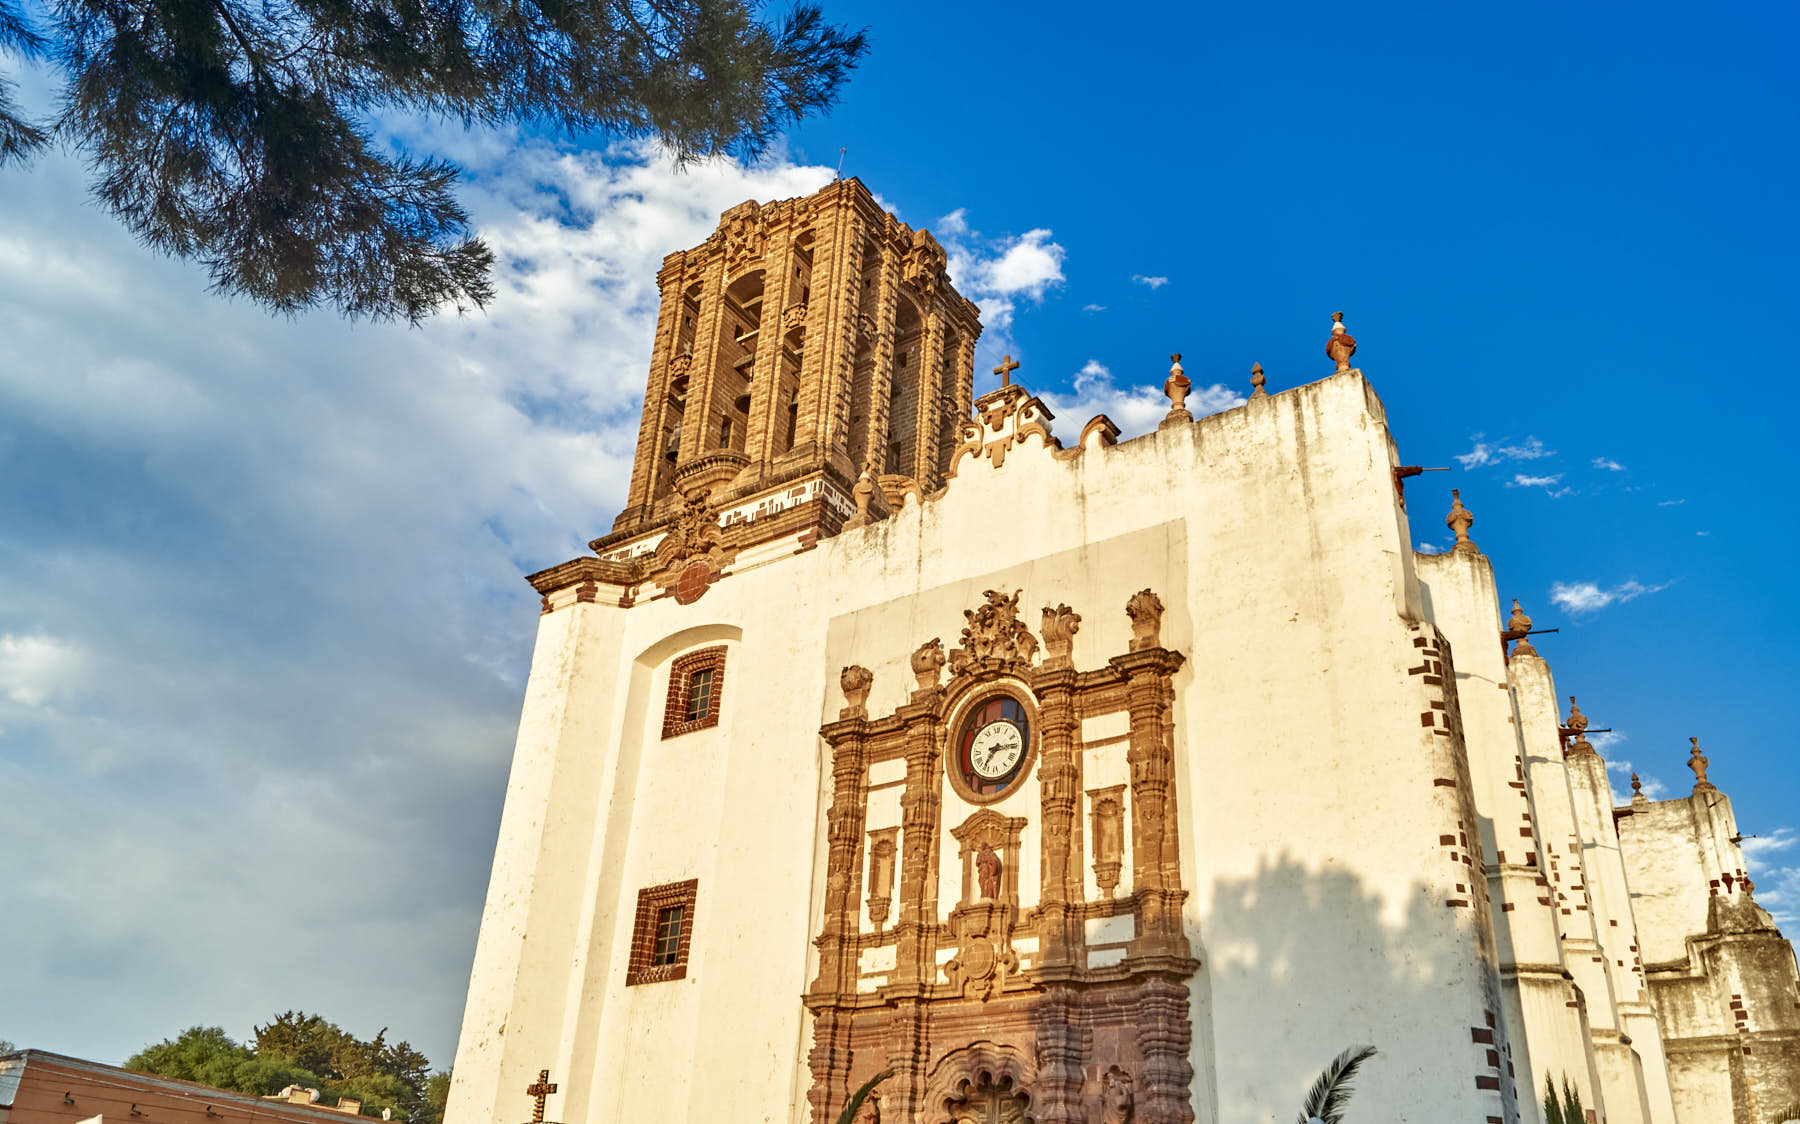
(962, 943)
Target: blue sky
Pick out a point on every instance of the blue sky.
(262, 628)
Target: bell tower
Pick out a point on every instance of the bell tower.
(802, 341)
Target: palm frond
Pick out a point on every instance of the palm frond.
(1331, 1092)
(861, 1095)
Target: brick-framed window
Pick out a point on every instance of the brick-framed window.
(662, 933)
(696, 686)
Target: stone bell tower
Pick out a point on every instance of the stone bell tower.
(801, 342)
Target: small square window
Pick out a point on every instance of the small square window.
(669, 927)
(699, 694)
(696, 685)
(662, 933)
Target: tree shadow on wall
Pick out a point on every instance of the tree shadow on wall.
(1300, 963)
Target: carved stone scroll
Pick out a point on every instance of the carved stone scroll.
(1059, 628)
(1145, 610)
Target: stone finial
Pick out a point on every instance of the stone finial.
(1256, 381)
(1460, 520)
(1059, 628)
(1518, 628)
(1637, 788)
(1176, 386)
(855, 681)
(1342, 345)
(1577, 725)
(928, 663)
(1145, 610)
(863, 494)
(1698, 762)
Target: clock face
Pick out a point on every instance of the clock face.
(992, 744)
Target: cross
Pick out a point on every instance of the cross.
(1005, 370)
(543, 1088)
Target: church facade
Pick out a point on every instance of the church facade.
(1062, 778)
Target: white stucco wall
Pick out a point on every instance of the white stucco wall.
(1324, 905)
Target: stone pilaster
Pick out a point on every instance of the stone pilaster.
(1060, 786)
(703, 375)
(881, 398)
(765, 378)
(932, 376)
(1061, 1053)
(916, 956)
(1164, 1036)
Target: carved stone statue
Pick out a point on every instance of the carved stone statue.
(1059, 628)
(1145, 610)
(1342, 345)
(994, 632)
(987, 872)
(1176, 386)
(927, 663)
(1698, 762)
(1460, 520)
(1116, 1096)
(855, 681)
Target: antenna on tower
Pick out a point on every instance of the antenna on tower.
(840, 167)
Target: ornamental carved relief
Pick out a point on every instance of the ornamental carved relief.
(744, 235)
(1008, 949)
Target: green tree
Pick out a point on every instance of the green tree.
(296, 1048)
(238, 133)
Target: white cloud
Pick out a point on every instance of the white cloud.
(1756, 846)
(318, 530)
(1589, 597)
(1520, 480)
(1608, 464)
(35, 667)
(1486, 453)
(1093, 308)
(1702, 534)
(1670, 503)
(997, 274)
(1134, 409)
(1428, 548)
(1619, 770)
(1152, 282)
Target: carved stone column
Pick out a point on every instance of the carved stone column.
(915, 968)
(703, 373)
(1061, 1054)
(649, 460)
(840, 339)
(1150, 773)
(929, 426)
(1059, 781)
(907, 1053)
(829, 1061)
(881, 398)
(765, 375)
(1164, 1035)
(843, 870)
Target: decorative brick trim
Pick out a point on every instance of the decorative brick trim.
(651, 901)
(681, 676)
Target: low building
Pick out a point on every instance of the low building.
(38, 1087)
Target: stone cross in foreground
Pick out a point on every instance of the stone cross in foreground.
(538, 1091)
(1005, 370)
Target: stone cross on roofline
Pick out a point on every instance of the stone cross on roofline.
(1007, 366)
(538, 1091)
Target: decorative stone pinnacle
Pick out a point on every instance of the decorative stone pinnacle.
(1578, 724)
(1176, 387)
(1517, 628)
(1698, 762)
(1256, 381)
(1637, 787)
(1460, 520)
(1342, 345)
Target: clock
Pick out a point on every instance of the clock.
(993, 745)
